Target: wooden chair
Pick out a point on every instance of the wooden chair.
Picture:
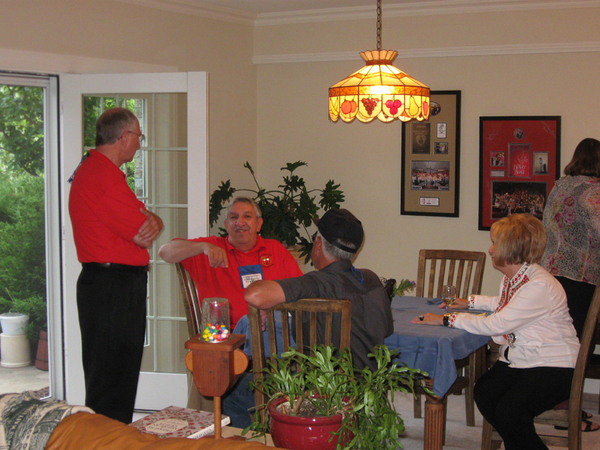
(463, 269)
(459, 268)
(593, 368)
(303, 307)
(193, 313)
(191, 304)
(570, 418)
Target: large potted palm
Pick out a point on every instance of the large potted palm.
(322, 389)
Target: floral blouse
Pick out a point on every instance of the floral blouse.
(572, 222)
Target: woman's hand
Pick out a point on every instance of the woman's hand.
(429, 319)
(459, 303)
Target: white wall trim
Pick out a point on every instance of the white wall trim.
(407, 8)
(420, 8)
(484, 50)
(54, 63)
(194, 8)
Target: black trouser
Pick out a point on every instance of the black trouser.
(579, 299)
(111, 304)
(509, 399)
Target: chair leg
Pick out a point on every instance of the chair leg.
(469, 402)
(417, 406)
(486, 437)
(445, 419)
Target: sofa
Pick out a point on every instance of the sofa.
(28, 423)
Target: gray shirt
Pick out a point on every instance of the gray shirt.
(371, 313)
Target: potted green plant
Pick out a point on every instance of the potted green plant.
(287, 211)
(325, 384)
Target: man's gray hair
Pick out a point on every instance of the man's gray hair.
(111, 125)
(333, 252)
(247, 200)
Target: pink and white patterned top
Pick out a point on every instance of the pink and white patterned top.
(572, 222)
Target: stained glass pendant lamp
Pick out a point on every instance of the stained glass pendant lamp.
(379, 90)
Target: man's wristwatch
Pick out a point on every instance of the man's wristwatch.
(446, 320)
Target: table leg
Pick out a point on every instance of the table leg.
(434, 422)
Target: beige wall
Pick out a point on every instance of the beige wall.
(107, 36)
(365, 158)
(274, 113)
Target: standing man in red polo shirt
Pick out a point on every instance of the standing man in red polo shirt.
(112, 231)
(225, 266)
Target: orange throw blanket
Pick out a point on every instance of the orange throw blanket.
(84, 431)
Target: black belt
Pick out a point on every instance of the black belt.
(116, 267)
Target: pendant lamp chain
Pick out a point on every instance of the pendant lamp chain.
(378, 24)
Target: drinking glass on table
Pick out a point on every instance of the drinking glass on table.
(448, 295)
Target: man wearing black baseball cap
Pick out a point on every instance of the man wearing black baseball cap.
(339, 237)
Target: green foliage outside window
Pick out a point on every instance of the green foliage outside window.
(22, 230)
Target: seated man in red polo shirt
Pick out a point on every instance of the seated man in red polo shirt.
(225, 266)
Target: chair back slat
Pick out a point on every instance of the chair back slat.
(463, 269)
(191, 305)
(310, 310)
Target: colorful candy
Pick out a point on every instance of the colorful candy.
(215, 333)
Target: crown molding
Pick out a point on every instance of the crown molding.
(485, 50)
(193, 8)
(420, 8)
(408, 8)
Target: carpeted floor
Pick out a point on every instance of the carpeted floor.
(461, 437)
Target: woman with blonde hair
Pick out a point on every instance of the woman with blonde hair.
(530, 321)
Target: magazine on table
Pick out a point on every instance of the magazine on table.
(175, 421)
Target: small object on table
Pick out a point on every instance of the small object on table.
(421, 318)
(215, 319)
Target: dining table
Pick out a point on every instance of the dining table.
(432, 349)
(435, 350)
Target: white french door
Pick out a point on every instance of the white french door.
(172, 108)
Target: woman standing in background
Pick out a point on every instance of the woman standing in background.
(572, 222)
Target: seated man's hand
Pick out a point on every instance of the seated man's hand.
(263, 320)
(217, 256)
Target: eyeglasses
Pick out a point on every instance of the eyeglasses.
(140, 135)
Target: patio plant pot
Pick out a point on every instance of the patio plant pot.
(41, 359)
(13, 324)
(302, 433)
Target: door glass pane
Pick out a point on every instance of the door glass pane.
(23, 284)
(158, 176)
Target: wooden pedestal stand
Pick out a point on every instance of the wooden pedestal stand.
(216, 366)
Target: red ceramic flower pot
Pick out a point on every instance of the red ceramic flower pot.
(303, 433)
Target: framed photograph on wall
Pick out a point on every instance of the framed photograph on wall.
(519, 160)
(430, 174)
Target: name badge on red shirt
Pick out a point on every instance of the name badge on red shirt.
(250, 274)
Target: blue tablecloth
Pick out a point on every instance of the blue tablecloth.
(429, 348)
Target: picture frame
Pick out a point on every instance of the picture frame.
(519, 161)
(430, 173)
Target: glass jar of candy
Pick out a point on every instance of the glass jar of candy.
(215, 319)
